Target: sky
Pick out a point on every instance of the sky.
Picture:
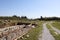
(30, 8)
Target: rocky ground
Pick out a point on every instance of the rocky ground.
(12, 33)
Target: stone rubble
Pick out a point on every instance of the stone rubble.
(12, 33)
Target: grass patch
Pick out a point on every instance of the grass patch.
(33, 33)
(55, 35)
(56, 24)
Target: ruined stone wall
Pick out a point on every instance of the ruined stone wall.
(12, 33)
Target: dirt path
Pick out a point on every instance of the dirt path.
(55, 29)
(46, 34)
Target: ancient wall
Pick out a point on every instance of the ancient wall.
(12, 33)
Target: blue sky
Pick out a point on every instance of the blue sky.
(30, 8)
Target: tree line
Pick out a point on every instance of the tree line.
(14, 17)
(48, 18)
